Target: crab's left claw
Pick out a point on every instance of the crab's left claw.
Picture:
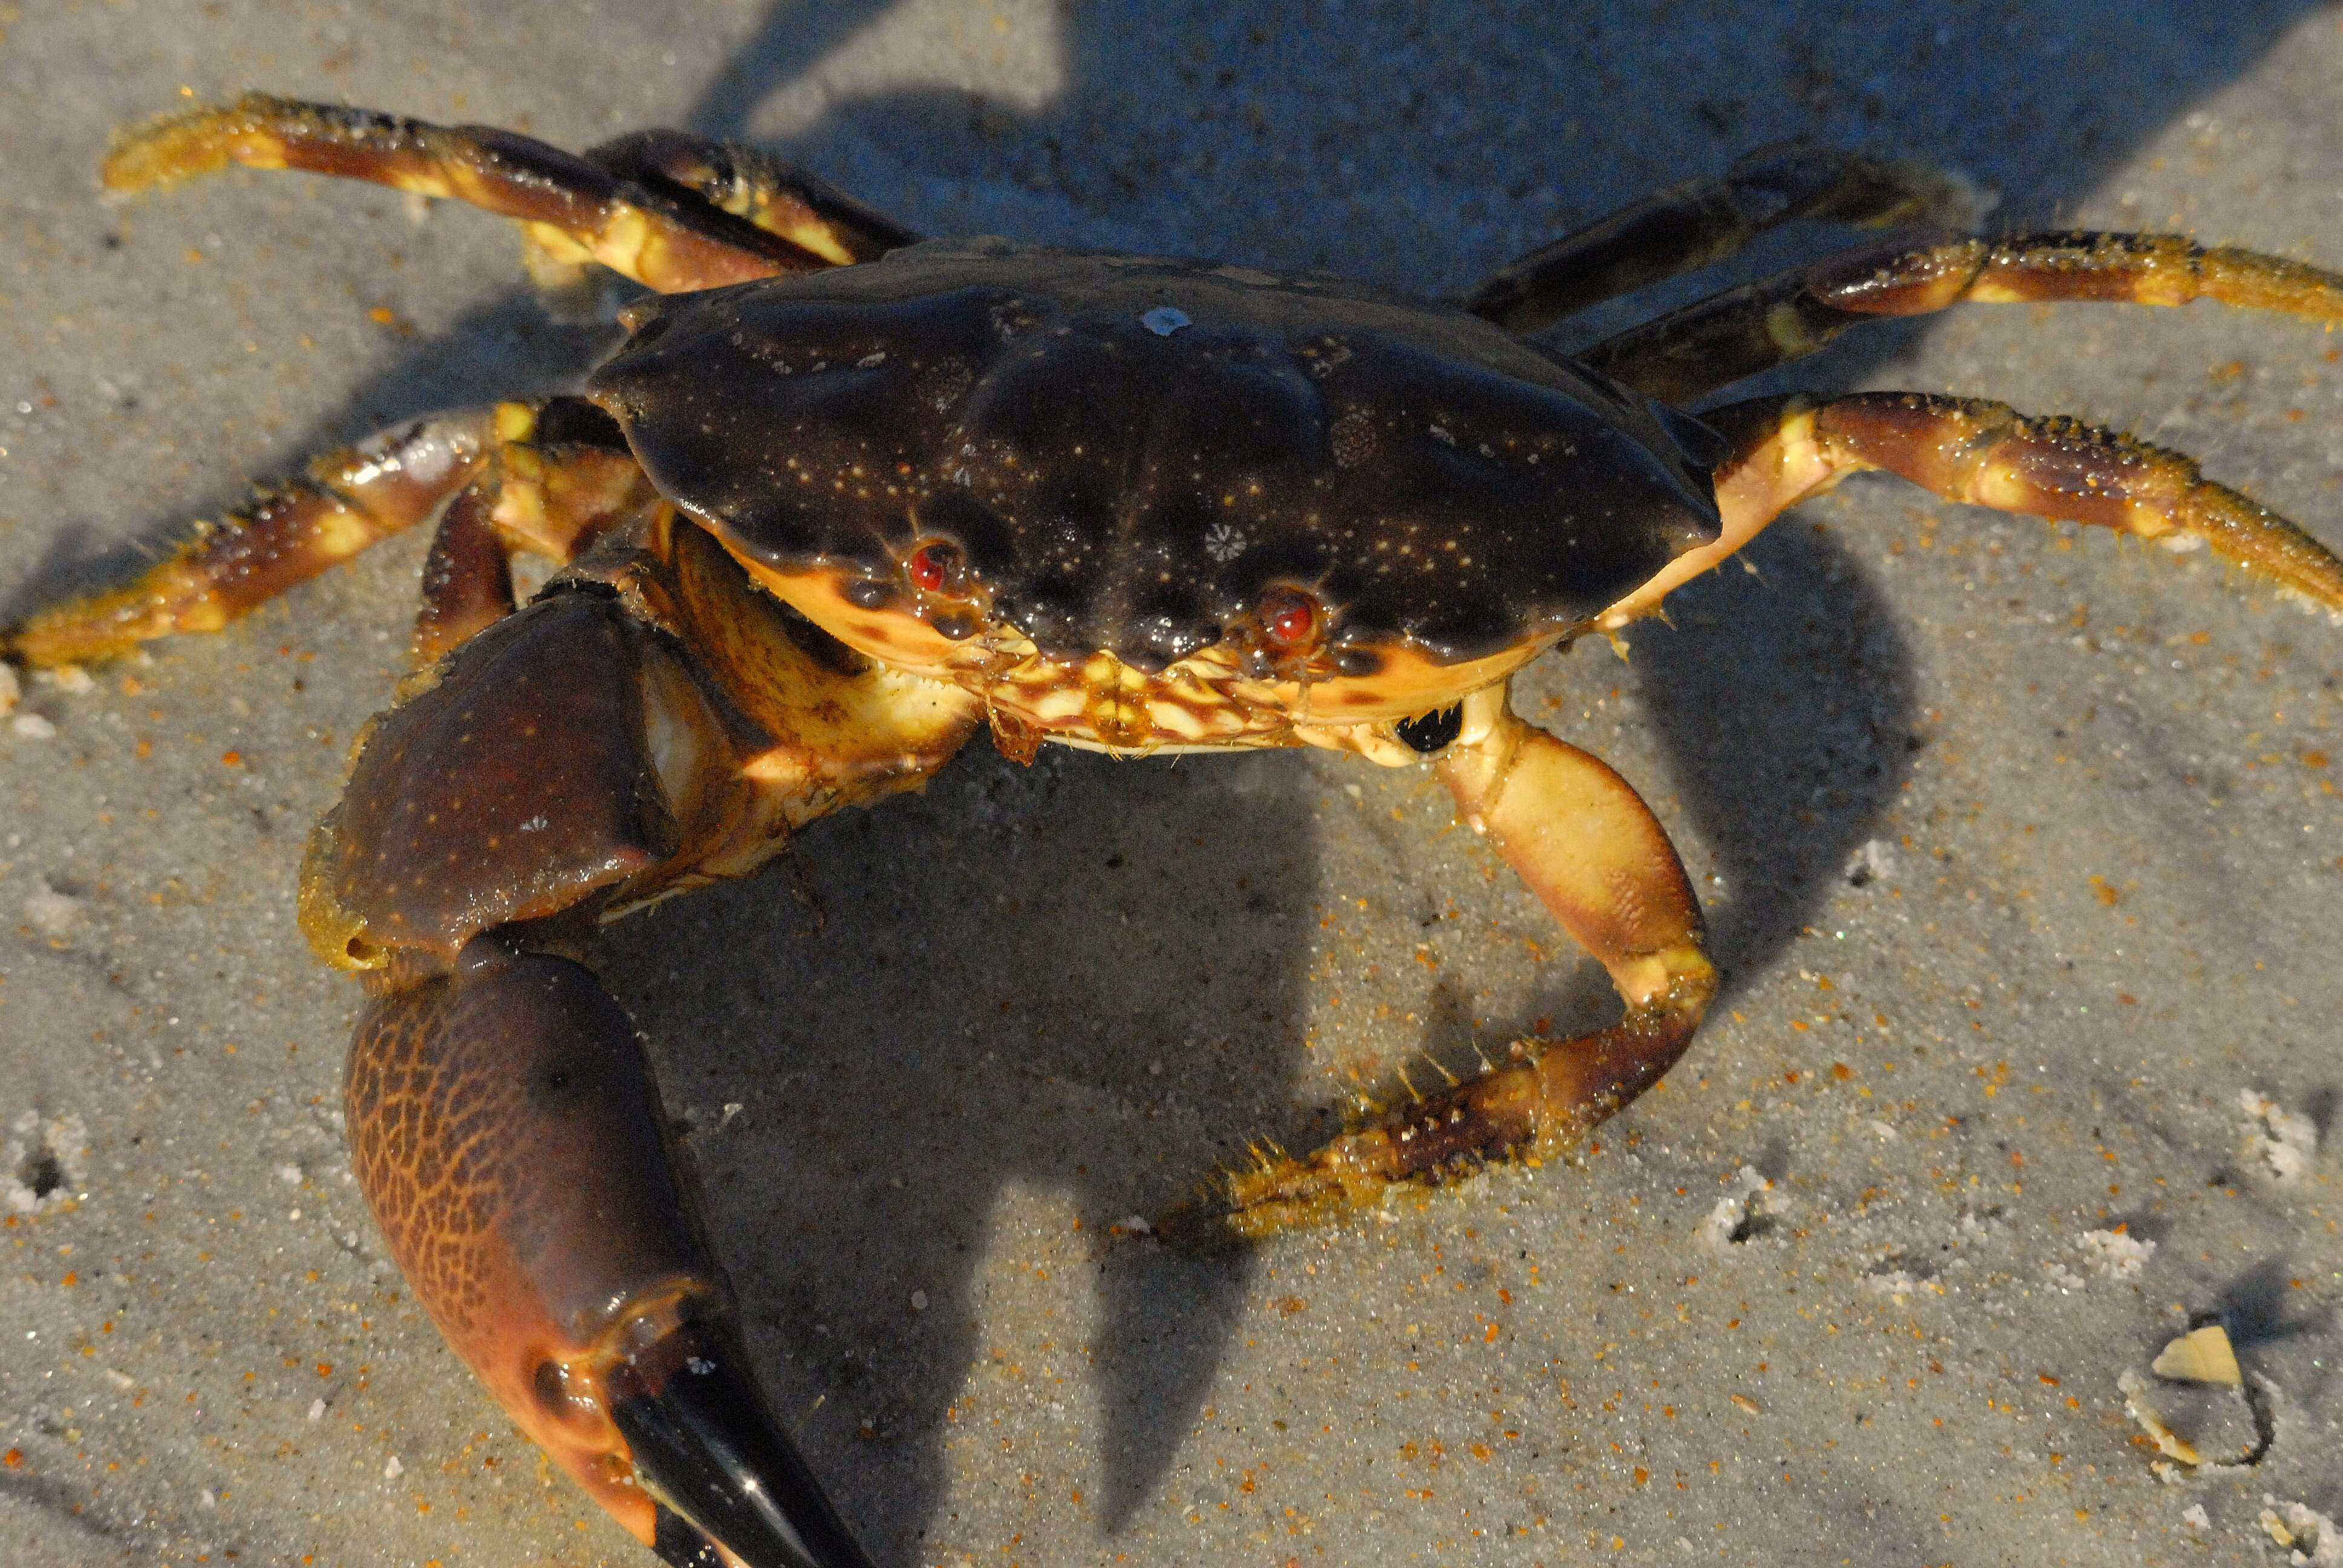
(509, 1139)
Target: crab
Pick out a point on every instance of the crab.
(846, 496)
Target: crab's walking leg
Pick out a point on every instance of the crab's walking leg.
(349, 500)
(537, 476)
(1701, 222)
(572, 208)
(1593, 852)
(1715, 342)
(1784, 449)
(651, 722)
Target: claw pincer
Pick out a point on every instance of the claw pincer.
(506, 1129)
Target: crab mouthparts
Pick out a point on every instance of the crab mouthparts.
(732, 1491)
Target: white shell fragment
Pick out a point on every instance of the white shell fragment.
(2309, 1535)
(2115, 1254)
(2201, 1355)
(2287, 1140)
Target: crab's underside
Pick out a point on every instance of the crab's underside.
(847, 498)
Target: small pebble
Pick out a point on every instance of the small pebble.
(51, 913)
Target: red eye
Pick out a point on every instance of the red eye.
(930, 566)
(1289, 617)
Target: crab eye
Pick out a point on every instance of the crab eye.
(933, 565)
(1289, 617)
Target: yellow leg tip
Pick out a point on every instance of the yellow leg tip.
(185, 146)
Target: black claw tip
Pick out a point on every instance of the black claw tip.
(706, 1448)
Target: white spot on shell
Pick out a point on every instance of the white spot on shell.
(1164, 320)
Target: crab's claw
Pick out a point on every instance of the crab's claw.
(509, 1139)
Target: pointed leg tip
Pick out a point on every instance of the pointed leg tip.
(1204, 1222)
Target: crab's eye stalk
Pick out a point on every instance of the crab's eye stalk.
(935, 567)
(1290, 620)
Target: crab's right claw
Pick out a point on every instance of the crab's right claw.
(706, 1449)
(509, 1139)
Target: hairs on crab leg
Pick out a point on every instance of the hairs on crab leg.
(516, 477)
(708, 216)
(349, 500)
(1583, 842)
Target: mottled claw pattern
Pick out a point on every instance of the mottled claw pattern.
(816, 527)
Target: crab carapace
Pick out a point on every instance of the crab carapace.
(845, 496)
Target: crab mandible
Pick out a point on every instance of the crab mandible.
(852, 496)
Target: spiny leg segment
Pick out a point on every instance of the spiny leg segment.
(1587, 846)
(537, 476)
(1785, 449)
(349, 500)
(1715, 342)
(573, 209)
(1701, 222)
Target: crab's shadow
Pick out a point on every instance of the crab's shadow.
(1078, 980)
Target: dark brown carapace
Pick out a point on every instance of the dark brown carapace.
(845, 499)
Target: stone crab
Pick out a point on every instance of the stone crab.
(845, 496)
